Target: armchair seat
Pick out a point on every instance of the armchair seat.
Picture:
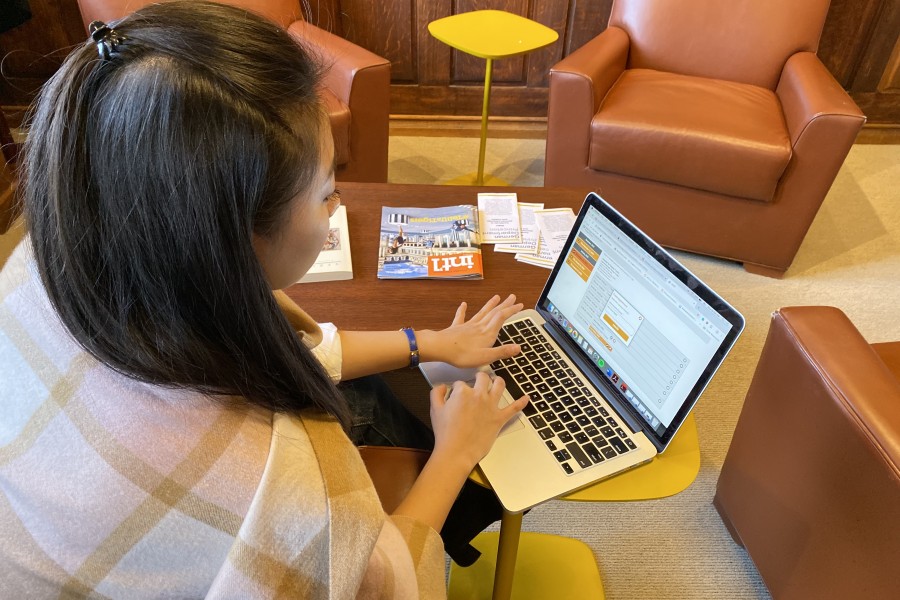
(719, 136)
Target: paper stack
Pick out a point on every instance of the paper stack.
(535, 235)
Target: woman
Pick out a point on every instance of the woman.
(169, 426)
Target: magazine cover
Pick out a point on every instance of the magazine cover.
(430, 243)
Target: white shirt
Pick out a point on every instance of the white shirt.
(329, 351)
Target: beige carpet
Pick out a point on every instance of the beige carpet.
(677, 547)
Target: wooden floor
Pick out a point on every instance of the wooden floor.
(498, 127)
(536, 128)
(504, 127)
(879, 134)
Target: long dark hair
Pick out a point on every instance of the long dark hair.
(145, 175)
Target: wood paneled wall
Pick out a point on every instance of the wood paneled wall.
(859, 45)
(33, 51)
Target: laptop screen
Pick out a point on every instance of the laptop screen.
(652, 333)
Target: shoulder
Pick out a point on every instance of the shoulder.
(299, 320)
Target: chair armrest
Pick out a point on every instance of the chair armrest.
(811, 97)
(592, 69)
(822, 124)
(578, 85)
(393, 471)
(811, 476)
(362, 81)
(857, 376)
(342, 59)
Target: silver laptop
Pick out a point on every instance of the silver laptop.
(621, 344)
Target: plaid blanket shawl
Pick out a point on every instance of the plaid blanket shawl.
(115, 488)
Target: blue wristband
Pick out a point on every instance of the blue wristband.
(413, 347)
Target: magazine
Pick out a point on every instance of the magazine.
(430, 243)
(334, 262)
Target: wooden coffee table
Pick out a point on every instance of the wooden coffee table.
(368, 303)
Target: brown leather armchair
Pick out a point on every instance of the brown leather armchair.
(811, 483)
(357, 83)
(712, 125)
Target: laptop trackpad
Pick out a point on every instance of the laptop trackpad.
(437, 373)
(513, 424)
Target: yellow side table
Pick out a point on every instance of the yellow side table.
(490, 34)
(551, 566)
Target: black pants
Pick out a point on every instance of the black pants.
(379, 419)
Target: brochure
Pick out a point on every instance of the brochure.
(430, 243)
(554, 226)
(530, 233)
(498, 215)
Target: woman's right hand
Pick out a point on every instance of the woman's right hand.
(467, 422)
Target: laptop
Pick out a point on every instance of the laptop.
(622, 343)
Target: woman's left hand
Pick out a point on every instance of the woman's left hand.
(469, 343)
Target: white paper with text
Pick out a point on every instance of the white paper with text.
(530, 233)
(499, 218)
(554, 225)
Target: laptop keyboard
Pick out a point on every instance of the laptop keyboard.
(577, 428)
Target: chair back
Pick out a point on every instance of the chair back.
(283, 12)
(747, 41)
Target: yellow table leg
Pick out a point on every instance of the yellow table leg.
(507, 550)
(479, 180)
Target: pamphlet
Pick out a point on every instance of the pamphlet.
(554, 226)
(334, 262)
(530, 233)
(430, 243)
(499, 218)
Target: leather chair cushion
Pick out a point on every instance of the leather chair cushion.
(339, 115)
(720, 136)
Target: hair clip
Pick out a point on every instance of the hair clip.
(106, 39)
